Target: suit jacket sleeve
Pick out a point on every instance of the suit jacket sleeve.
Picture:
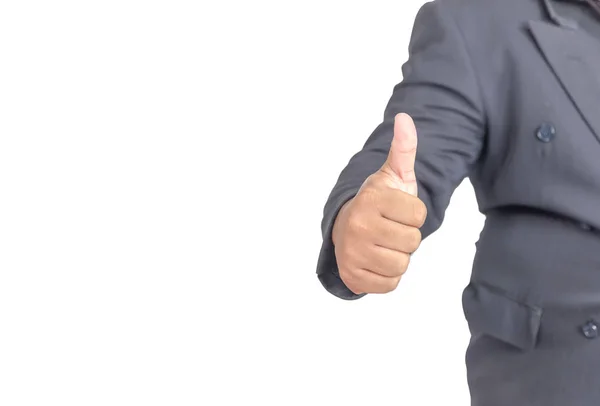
(440, 92)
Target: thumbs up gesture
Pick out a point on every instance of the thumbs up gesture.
(375, 232)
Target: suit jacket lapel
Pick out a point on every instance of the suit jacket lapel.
(574, 56)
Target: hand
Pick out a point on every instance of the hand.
(375, 232)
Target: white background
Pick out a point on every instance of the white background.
(163, 169)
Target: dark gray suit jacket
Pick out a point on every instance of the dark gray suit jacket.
(507, 93)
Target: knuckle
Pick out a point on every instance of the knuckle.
(392, 284)
(350, 255)
(353, 223)
(345, 256)
(419, 212)
(403, 264)
(357, 223)
(369, 195)
(414, 239)
(398, 267)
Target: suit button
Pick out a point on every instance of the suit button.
(546, 132)
(585, 226)
(590, 329)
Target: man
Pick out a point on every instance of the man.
(506, 93)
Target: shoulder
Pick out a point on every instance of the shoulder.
(482, 15)
(487, 8)
(483, 25)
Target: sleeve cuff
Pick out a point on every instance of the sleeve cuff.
(327, 269)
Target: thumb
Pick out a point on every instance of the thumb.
(400, 163)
